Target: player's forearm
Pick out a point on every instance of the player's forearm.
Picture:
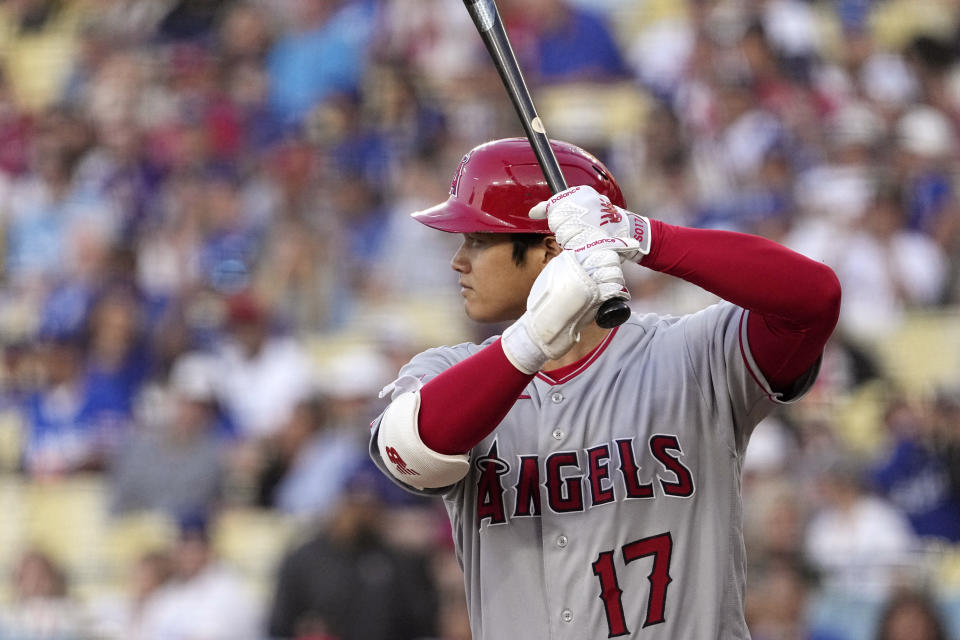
(749, 271)
(462, 405)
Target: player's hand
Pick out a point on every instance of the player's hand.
(603, 267)
(582, 218)
(564, 299)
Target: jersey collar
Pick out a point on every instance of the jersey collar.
(571, 371)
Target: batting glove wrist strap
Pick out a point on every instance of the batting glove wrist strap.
(640, 231)
(561, 302)
(405, 455)
(521, 348)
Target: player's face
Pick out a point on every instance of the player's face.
(494, 287)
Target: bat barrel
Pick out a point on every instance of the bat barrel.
(487, 19)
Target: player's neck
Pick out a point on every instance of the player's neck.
(590, 337)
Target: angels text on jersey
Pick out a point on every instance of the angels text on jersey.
(572, 481)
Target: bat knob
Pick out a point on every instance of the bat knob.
(613, 313)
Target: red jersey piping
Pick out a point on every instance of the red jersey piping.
(571, 371)
(746, 360)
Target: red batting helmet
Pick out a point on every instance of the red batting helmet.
(498, 182)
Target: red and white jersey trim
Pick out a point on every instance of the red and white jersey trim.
(752, 368)
(584, 364)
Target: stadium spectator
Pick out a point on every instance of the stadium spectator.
(185, 440)
(229, 242)
(778, 603)
(926, 152)
(251, 356)
(886, 269)
(307, 462)
(324, 51)
(347, 583)
(41, 607)
(121, 616)
(245, 33)
(914, 475)
(52, 221)
(424, 273)
(858, 542)
(120, 170)
(70, 426)
(839, 186)
(205, 598)
(118, 360)
(911, 616)
(566, 42)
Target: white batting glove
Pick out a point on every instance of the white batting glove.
(563, 300)
(580, 218)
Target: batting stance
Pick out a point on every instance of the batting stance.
(592, 476)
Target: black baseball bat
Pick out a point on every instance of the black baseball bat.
(486, 17)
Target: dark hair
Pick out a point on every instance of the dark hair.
(522, 243)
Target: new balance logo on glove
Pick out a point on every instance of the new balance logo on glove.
(398, 462)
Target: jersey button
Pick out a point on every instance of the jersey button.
(556, 397)
(562, 541)
(557, 434)
(566, 615)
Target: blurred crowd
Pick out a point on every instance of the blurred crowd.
(204, 220)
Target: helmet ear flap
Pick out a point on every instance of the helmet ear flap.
(496, 184)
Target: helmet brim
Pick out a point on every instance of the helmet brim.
(454, 216)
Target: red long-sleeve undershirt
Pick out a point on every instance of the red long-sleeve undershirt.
(794, 304)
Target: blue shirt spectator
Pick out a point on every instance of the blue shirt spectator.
(581, 47)
(918, 482)
(928, 196)
(70, 425)
(327, 56)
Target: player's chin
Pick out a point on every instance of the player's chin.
(487, 314)
(475, 312)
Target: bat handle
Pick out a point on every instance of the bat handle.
(615, 311)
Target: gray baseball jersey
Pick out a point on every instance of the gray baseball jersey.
(607, 503)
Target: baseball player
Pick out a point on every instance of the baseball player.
(592, 476)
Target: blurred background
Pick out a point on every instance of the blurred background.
(209, 272)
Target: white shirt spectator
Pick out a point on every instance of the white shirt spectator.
(860, 549)
(881, 280)
(213, 605)
(260, 391)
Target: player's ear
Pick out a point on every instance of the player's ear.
(552, 247)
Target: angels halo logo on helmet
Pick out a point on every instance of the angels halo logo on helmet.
(496, 184)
